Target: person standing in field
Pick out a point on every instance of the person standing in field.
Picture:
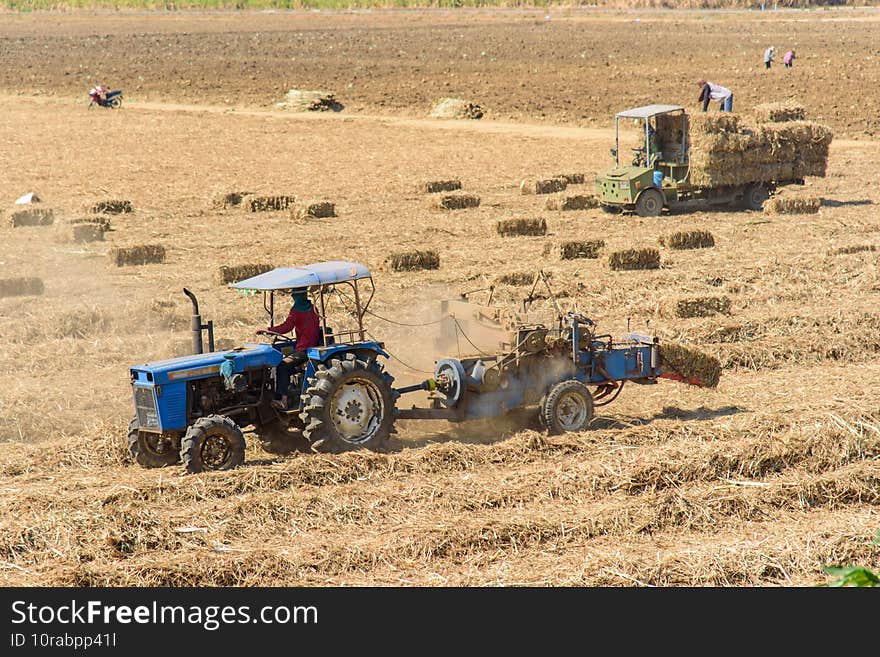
(788, 58)
(710, 91)
(769, 56)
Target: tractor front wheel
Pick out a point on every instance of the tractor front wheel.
(649, 203)
(348, 405)
(568, 406)
(213, 442)
(148, 449)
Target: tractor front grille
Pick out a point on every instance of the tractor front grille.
(145, 407)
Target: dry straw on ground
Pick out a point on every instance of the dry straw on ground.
(574, 250)
(458, 201)
(414, 260)
(691, 364)
(228, 200)
(235, 273)
(111, 206)
(32, 217)
(268, 203)
(516, 278)
(633, 259)
(571, 178)
(542, 185)
(313, 210)
(700, 306)
(847, 250)
(19, 287)
(142, 254)
(692, 239)
(434, 186)
(779, 112)
(792, 205)
(509, 227)
(303, 100)
(577, 202)
(456, 108)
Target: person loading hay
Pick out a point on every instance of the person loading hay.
(303, 319)
(710, 91)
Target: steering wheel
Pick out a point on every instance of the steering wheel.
(274, 335)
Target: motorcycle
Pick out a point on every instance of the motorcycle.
(110, 100)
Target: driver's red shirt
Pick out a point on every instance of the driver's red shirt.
(308, 328)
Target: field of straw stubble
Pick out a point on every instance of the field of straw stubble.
(762, 481)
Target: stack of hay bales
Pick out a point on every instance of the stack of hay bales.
(571, 178)
(458, 201)
(32, 217)
(137, 255)
(268, 203)
(414, 260)
(691, 239)
(692, 365)
(574, 250)
(534, 227)
(434, 186)
(313, 210)
(235, 273)
(301, 100)
(456, 108)
(779, 112)
(111, 206)
(577, 202)
(724, 150)
(542, 185)
(634, 259)
(792, 205)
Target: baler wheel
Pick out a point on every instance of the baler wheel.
(213, 442)
(567, 407)
(349, 405)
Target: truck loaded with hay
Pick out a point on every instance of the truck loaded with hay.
(684, 160)
(195, 409)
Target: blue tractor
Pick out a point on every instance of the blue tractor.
(194, 409)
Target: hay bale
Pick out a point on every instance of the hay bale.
(700, 307)
(571, 178)
(792, 205)
(517, 278)
(692, 365)
(456, 108)
(414, 260)
(87, 232)
(313, 210)
(542, 185)
(632, 259)
(509, 227)
(574, 250)
(235, 273)
(302, 100)
(847, 250)
(268, 203)
(458, 201)
(434, 186)
(137, 255)
(99, 220)
(21, 287)
(691, 239)
(228, 200)
(577, 202)
(778, 112)
(32, 217)
(111, 206)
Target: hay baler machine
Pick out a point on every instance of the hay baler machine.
(566, 369)
(658, 175)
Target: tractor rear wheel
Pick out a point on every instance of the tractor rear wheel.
(213, 442)
(568, 406)
(148, 449)
(275, 438)
(348, 405)
(754, 196)
(649, 203)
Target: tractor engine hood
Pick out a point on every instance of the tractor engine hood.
(198, 366)
(626, 173)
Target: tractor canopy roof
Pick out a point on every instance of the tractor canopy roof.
(321, 273)
(647, 111)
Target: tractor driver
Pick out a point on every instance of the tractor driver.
(303, 319)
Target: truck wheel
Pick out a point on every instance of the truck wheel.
(150, 450)
(213, 442)
(754, 197)
(348, 405)
(278, 439)
(649, 203)
(567, 407)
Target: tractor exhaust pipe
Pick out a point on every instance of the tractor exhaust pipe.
(197, 327)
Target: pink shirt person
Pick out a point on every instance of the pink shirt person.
(788, 58)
